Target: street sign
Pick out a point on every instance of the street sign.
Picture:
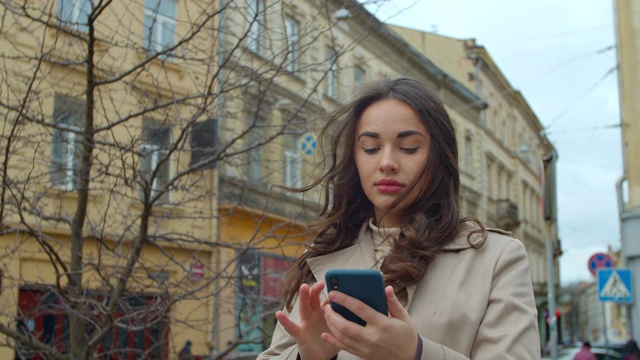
(615, 285)
(307, 144)
(196, 271)
(599, 261)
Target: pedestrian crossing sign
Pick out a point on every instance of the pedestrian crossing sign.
(615, 285)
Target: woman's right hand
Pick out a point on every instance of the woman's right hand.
(312, 325)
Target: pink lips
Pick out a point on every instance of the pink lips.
(388, 186)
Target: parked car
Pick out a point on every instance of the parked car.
(569, 352)
(242, 356)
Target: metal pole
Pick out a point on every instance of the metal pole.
(551, 297)
(604, 330)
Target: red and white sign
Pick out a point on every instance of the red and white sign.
(599, 261)
(196, 271)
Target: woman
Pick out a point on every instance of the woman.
(455, 290)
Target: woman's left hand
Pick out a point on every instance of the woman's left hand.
(384, 337)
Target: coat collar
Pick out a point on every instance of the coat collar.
(360, 255)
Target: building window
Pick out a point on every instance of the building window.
(66, 145)
(75, 13)
(156, 167)
(159, 24)
(468, 154)
(292, 33)
(358, 77)
(204, 140)
(254, 139)
(256, 20)
(293, 169)
(260, 277)
(332, 74)
(42, 314)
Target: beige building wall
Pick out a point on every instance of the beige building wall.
(627, 16)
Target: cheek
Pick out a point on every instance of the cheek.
(361, 166)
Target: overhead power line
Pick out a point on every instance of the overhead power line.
(582, 96)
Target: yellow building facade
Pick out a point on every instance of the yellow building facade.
(187, 113)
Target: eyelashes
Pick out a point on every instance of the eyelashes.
(406, 150)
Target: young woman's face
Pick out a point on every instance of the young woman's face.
(391, 149)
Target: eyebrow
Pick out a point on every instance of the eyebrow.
(402, 134)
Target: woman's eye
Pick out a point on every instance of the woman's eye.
(370, 150)
(409, 150)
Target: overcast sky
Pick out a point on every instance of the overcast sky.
(560, 55)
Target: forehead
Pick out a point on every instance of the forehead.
(389, 115)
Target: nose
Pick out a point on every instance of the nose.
(388, 161)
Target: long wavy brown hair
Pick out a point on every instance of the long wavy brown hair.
(428, 224)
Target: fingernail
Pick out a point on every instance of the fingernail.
(333, 295)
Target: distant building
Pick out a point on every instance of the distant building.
(501, 152)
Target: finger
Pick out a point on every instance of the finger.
(343, 333)
(303, 301)
(364, 311)
(314, 295)
(396, 309)
(332, 340)
(292, 328)
(340, 327)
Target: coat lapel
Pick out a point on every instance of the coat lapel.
(357, 256)
(361, 255)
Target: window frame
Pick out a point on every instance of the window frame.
(74, 18)
(292, 35)
(359, 76)
(333, 76)
(66, 142)
(293, 169)
(256, 31)
(254, 155)
(153, 153)
(154, 37)
(468, 154)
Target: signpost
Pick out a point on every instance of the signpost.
(599, 261)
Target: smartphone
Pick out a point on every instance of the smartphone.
(364, 285)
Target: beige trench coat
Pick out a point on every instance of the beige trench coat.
(471, 303)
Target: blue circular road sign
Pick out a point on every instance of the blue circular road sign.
(599, 261)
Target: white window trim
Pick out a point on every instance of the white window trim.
(156, 153)
(293, 170)
(158, 31)
(332, 75)
(68, 137)
(76, 12)
(292, 33)
(256, 20)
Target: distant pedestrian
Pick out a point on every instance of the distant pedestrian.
(631, 351)
(585, 352)
(185, 353)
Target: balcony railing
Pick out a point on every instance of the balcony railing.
(507, 214)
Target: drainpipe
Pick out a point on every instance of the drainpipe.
(216, 179)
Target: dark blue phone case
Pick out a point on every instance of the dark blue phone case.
(365, 285)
